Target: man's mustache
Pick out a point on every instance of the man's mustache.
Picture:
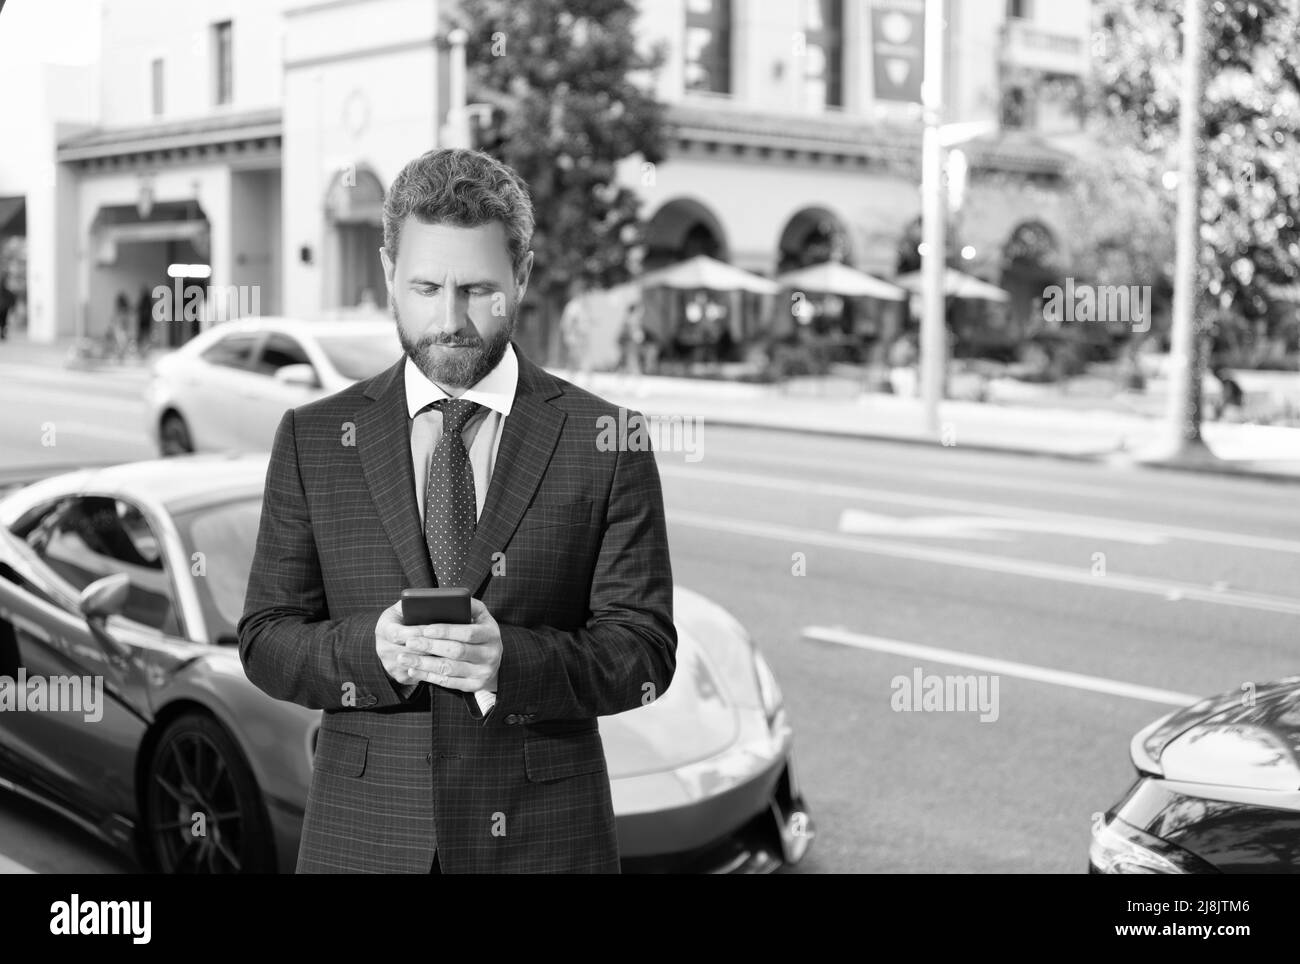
(450, 343)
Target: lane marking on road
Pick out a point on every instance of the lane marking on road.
(1164, 588)
(8, 866)
(972, 507)
(982, 527)
(958, 476)
(1002, 667)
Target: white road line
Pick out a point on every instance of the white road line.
(969, 506)
(8, 866)
(1165, 588)
(960, 476)
(1003, 667)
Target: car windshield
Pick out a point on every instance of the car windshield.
(219, 541)
(361, 356)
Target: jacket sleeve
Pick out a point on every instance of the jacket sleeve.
(289, 646)
(626, 654)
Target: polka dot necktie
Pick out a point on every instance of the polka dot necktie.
(450, 511)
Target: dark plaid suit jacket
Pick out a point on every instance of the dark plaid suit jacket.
(571, 558)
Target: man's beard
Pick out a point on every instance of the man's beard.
(456, 369)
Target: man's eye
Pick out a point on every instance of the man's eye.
(428, 289)
(478, 291)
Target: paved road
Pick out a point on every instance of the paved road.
(1098, 597)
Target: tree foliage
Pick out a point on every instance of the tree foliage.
(1247, 150)
(571, 101)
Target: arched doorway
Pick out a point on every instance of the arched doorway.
(354, 215)
(812, 236)
(682, 229)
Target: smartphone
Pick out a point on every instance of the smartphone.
(421, 607)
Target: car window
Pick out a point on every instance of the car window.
(280, 350)
(232, 351)
(93, 537)
(361, 356)
(226, 535)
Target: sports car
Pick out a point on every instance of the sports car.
(124, 704)
(1217, 791)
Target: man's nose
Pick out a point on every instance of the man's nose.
(449, 317)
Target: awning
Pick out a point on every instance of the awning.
(833, 278)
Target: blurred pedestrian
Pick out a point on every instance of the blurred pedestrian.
(575, 329)
(1231, 397)
(119, 327)
(631, 337)
(144, 318)
(7, 301)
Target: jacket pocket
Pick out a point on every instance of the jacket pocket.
(556, 757)
(542, 514)
(341, 752)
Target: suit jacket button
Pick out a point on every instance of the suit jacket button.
(512, 719)
(428, 758)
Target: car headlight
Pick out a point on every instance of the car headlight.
(769, 692)
(1232, 754)
(1121, 848)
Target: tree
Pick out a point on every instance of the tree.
(1250, 137)
(570, 98)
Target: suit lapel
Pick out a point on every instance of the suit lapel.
(528, 439)
(384, 446)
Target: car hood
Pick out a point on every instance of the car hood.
(1273, 706)
(697, 717)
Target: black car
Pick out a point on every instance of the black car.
(1218, 790)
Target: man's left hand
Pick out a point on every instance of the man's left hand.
(458, 656)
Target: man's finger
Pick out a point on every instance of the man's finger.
(461, 632)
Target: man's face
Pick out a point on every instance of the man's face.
(454, 296)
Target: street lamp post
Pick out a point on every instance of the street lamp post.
(1184, 412)
(455, 132)
(933, 344)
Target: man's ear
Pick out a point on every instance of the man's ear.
(389, 268)
(521, 278)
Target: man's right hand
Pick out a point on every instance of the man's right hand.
(391, 635)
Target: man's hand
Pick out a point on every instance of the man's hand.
(391, 639)
(458, 656)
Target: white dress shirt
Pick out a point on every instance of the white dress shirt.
(495, 391)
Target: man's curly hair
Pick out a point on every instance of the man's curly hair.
(462, 188)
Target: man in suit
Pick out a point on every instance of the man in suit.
(465, 748)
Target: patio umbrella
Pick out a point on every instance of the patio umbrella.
(833, 278)
(956, 285)
(705, 272)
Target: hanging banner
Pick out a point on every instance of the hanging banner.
(898, 49)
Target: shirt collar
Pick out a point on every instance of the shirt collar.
(495, 390)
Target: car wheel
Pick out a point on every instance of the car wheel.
(175, 436)
(203, 812)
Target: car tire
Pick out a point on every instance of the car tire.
(203, 812)
(174, 436)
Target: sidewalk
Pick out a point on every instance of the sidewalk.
(20, 351)
(1258, 451)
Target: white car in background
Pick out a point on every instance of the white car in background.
(227, 388)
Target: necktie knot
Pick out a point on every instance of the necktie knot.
(455, 413)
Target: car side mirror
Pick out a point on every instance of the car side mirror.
(105, 597)
(301, 375)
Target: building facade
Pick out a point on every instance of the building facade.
(246, 144)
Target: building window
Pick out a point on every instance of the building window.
(156, 81)
(823, 53)
(1018, 9)
(1016, 109)
(708, 45)
(223, 81)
